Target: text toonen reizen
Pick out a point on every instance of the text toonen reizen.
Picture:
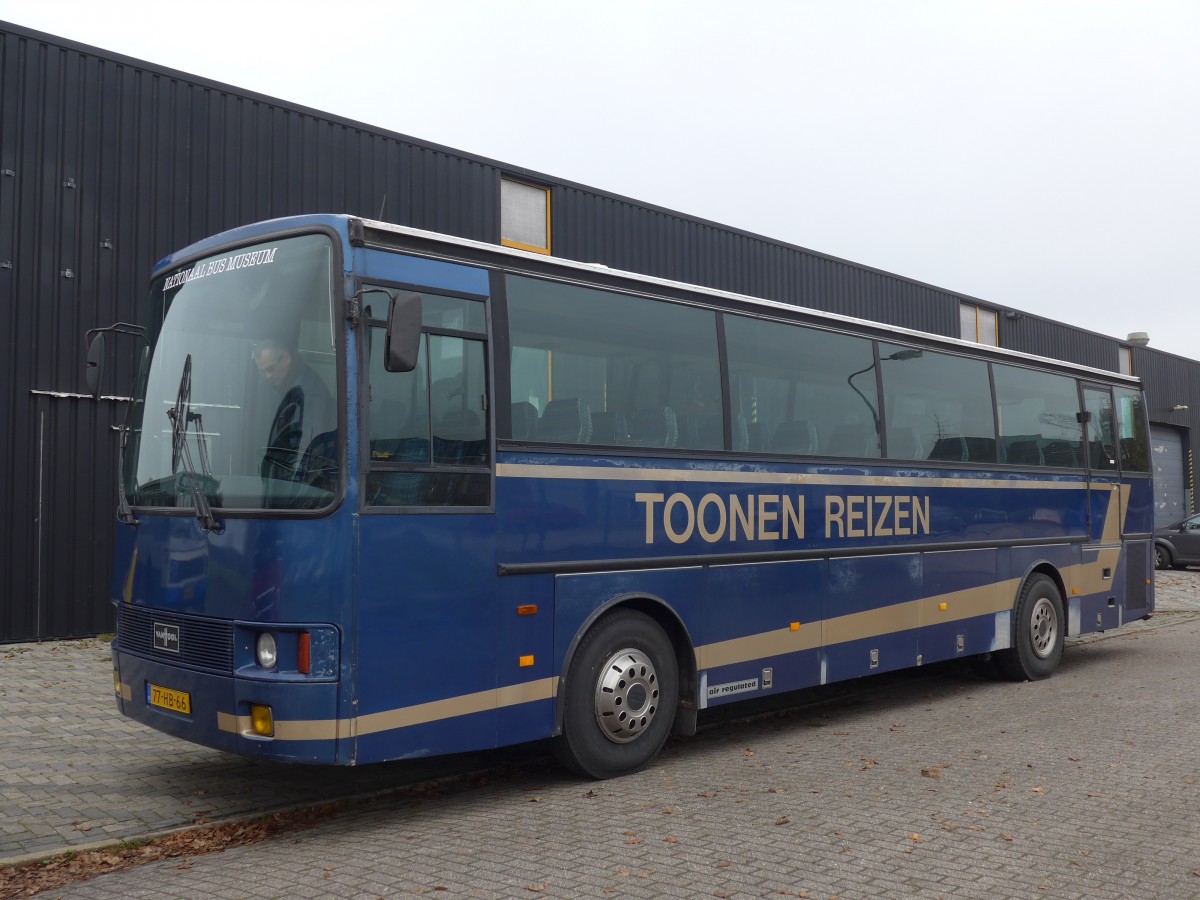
(773, 517)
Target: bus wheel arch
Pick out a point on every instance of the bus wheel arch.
(622, 683)
(1039, 627)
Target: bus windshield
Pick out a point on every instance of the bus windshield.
(237, 383)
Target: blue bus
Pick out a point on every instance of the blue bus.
(386, 493)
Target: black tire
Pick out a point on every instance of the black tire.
(1038, 631)
(1162, 557)
(620, 697)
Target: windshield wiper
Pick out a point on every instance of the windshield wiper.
(124, 510)
(182, 417)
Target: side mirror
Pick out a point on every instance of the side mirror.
(403, 341)
(95, 365)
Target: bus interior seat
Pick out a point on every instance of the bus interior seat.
(1060, 453)
(796, 436)
(566, 421)
(980, 449)
(905, 443)
(848, 439)
(1023, 450)
(654, 426)
(460, 438)
(524, 420)
(609, 428)
(949, 449)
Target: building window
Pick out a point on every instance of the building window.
(524, 216)
(979, 324)
(1125, 360)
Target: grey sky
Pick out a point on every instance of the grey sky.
(1042, 155)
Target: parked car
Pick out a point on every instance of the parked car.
(1178, 546)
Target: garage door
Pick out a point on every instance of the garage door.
(1170, 489)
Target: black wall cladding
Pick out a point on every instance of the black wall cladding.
(109, 164)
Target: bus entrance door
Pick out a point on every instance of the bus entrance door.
(1098, 589)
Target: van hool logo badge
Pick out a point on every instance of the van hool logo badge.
(166, 637)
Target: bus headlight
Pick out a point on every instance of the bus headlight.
(266, 651)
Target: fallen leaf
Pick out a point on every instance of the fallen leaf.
(932, 773)
(724, 864)
(670, 840)
(634, 841)
(783, 820)
(1038, 790)
(915, 838)
(1006, 837)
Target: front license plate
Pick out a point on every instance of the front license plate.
(165, 698)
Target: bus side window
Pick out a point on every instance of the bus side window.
(428, 428)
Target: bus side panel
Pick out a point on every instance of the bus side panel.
(427, 630)
(870, 614)
(525, 658)
(958, 616)
(1138, 579)
(751, 646)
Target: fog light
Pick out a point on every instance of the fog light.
(268, 654)
(261, 722)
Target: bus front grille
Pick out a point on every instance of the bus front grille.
(201, 643)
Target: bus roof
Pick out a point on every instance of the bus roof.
(346, 224)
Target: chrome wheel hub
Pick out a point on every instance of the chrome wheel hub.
(1043, 628)
(626, 695)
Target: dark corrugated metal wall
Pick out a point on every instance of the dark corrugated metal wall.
(109, 164)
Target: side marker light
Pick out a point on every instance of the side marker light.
(525, 661)
(304, 653)
(261, 721)
(795, 626)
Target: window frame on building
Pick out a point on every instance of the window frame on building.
(518, 234)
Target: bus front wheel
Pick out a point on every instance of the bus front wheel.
(1038, 631)
(620, 697)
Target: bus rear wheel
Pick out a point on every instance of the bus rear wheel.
(621, 693)
(1038, 631)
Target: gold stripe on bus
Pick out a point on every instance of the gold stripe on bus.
(965, 604)
(1088, 577)
(1115, 518)
(706, 476)
(422, 713)
(759, 646)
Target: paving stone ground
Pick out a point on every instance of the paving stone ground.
(925, 785)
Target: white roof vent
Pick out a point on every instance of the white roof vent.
(1138, 338)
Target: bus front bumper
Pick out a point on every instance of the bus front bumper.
(223, 711)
